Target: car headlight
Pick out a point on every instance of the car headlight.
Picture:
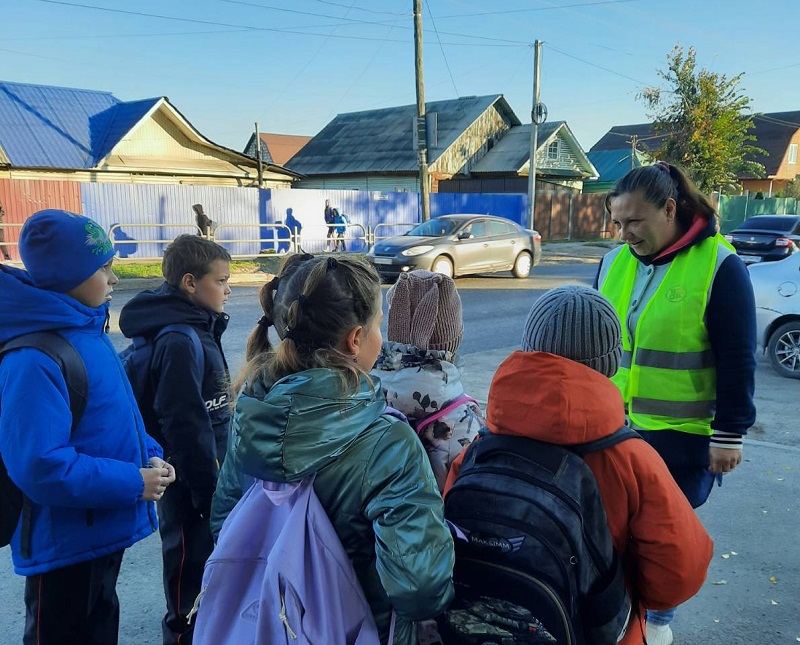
(416, 250)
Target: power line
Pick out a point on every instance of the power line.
(605, 69)
(530, 9)
(298, 12)
(339, 4)
(436, 31)
(503, 41)
(769, 119)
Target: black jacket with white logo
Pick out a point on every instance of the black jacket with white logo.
(191, 411)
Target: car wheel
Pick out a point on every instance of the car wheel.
(522, 265)
(784, 349)
(443, 265)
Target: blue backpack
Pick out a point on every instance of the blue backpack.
(137, 359)
(13, 504)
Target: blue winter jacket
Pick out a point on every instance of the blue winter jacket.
(85, 486)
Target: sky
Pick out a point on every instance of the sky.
(292, 66)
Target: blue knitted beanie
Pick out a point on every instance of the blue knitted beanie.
(61, 249)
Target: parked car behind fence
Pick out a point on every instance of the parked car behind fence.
(458, 245)
(766, 238)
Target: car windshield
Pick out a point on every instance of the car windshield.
(779, 224)
(434, 228)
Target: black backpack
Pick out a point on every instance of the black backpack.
(535, 561)
(13, 503)
(137, 359)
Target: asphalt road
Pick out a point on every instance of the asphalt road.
(753, 589)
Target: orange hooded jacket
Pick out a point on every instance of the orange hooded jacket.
(664, 548)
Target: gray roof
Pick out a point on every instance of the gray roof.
(381, 141)
(512, 152)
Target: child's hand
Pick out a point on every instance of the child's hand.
(156, 481)
(157, 462)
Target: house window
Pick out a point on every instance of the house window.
(793, 153)
(552, 151)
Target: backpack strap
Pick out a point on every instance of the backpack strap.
(191, 332)
(72, 367)
(618, 436)
(60, 350)
(424, 422)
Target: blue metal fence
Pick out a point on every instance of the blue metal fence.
(249, 216)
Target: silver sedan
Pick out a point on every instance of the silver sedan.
(459, 245)
(777, 291)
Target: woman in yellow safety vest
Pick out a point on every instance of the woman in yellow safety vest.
(686, 304)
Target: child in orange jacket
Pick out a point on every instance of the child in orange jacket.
(557, 389)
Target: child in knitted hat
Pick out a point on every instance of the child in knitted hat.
(419, 369)
(88, 480)
(557, 389)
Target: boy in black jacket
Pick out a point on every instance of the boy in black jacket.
(189, 410)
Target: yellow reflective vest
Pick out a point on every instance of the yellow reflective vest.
(668, 376)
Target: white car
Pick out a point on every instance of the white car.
(777, 290)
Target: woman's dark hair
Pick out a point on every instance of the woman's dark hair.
(312, 303)
(660, 182)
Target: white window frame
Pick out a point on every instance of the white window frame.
(551, 147)
(792, 153)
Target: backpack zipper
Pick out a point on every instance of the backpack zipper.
(543, 586)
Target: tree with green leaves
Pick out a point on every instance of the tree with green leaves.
(703, 118)
(792, 188)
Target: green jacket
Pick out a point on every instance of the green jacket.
(372, 477)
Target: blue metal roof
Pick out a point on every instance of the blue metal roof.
(42, 126)
(612, 165)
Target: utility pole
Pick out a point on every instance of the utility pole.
(538, 116)
(634, 141)
(259, 164)
(422, 133)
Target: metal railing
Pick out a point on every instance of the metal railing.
(377, 227)
(320, 244)
(291, 240)
(125, 240)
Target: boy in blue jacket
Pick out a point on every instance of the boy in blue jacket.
(89, 488)
(189, 411)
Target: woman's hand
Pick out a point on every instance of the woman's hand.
(724, 460)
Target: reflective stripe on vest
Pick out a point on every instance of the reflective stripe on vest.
(668, 378)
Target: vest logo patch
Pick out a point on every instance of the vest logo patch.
(676, 294)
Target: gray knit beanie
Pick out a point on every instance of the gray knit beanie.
(425, 311)
(577, 323)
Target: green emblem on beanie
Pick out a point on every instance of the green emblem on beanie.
(97, 239)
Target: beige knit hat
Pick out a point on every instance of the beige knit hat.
(425, 311)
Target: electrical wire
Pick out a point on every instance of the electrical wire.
(530, 9)
(441, 47)
(274, 29)
(605, 69)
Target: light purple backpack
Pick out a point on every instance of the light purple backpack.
(279, 574)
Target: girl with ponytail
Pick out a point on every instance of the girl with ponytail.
(307, 405)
